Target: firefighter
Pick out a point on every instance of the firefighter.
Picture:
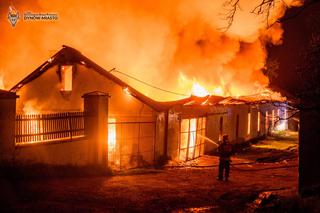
(225, 151)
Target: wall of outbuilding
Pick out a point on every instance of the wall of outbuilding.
(173, 135)
(229, 117)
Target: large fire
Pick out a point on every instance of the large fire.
(194, 87)
(111, 135)
(29, 108)
(34, 126)
(2, 83)
(198, 90)
(154, 41)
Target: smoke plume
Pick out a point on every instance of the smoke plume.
(170, 44)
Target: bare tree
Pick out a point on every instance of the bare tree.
(263, 8)
(232, 6)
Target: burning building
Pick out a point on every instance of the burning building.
(72, 111)
(56, 89)
(197, 124)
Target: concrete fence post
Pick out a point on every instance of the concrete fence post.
(7, 125)
(96, 127)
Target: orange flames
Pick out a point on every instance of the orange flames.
(198, 90)
(111, 135)
(194, 87)
(29, 108)
(154, 41)
(35, 126)
(2, 83)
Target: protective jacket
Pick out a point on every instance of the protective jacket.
(225, 151)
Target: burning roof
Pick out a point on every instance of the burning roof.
(69, 55)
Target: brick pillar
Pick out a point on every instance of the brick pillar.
(7, 125)
(96, 126)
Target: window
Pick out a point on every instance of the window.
(220, 128)
(258, 121)
(272, 119)
(249, 123)
(285, 116)
(66, 78)
(237, 126)
(267, 122)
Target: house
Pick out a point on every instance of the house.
(58, 86)
(72, 111)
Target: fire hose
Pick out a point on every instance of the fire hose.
(237, 168)
(266, 168)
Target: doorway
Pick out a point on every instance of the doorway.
(192, 138)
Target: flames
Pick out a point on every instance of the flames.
(30, 108)
(35, 126)
(111, 135)
(200, 89)
(2, 83)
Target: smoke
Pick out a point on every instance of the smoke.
(155, 41)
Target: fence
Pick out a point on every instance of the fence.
(49, 127)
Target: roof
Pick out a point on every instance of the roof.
(253, 99)
(69, 55)
(208, 100)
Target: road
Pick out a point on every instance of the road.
(181, 188)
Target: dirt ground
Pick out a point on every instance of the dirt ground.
(268, 169)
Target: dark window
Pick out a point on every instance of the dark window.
(220, 128)
(237, 126)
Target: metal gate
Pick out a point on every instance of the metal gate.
(131, 144)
